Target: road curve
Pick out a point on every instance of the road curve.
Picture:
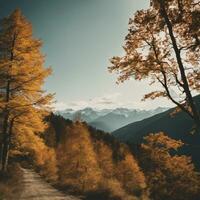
(35, 188)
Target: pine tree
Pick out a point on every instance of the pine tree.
(22, 74)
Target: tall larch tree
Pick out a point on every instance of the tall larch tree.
(22, 74)
(32, 147)
(105, 158)
(77, 161)
(163, 45)
(130, 175)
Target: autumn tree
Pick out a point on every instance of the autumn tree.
(105, 158)
(130, 175)
(109, 184)
(122, 177)
(169, 176)
(31, 146)
(77, 161)
(163, 45)
(22, 74)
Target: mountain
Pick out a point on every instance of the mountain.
(109, 119)
(87, 114)
(178, 126)
(122, 116)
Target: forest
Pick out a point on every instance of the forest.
(163, 47)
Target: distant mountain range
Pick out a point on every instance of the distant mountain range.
(109, 120)
(178, 127)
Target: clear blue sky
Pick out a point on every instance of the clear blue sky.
(79, 38)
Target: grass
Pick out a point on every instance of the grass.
(10, 183)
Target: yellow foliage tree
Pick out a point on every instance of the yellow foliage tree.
(168, 176)
(37, 153)
(77, 161)
(105, 158)
(130, 175)
(22, 74)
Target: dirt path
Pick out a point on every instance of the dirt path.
(35, 188)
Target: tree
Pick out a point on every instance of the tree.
(77, 161)
(105, 158)
(163, 45)
(37, 153)
(168, 176)
(22, 74)
(130, 175)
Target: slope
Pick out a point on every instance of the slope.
(120, 117)
(178, 126)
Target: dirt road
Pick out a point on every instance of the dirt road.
(35, 188)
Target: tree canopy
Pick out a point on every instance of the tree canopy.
(163, 46)
(169, 176)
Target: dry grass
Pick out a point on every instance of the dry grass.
(109, 189)
(10, 183)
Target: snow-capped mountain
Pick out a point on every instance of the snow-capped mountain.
(109, 119)
(86, 114)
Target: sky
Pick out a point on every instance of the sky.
(79, 37)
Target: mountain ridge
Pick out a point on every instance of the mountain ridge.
(178, 126)
(109, 119)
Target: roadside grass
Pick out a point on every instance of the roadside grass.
(10, 186)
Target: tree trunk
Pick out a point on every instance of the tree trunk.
(5, 141)
(4, 145)
(5, 132)
(5, 153)
(189, 98)
(5, 156)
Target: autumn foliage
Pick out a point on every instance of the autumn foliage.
(23, 103)
(93, 163)
(163, 46)
(79, 158)
(169, 176)
(78, 165)
(87, 165)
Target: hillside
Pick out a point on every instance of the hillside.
(93, 163)
(59, 131)
(177, 127)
